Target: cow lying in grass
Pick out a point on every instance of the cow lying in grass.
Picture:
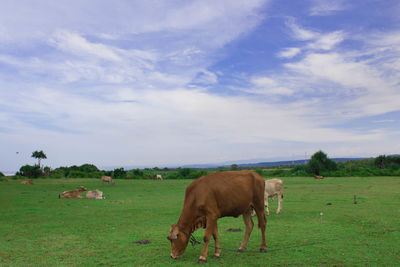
(27, 182)
(273, 187)
(95, 194)
(107, 179)
(318, 177)
(77, 193)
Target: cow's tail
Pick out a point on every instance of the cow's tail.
(59, 196)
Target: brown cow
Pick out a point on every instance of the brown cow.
(217, 195)
(107, 179)
(77, 193)
(27, 182)
(318, 177)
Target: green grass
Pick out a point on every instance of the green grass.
(38, 229)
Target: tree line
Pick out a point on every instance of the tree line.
(319, 164)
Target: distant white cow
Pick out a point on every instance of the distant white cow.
(95, 194)
(273, 187)
(159, 177)
(107, 179)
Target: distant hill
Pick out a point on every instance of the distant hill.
(264, 164)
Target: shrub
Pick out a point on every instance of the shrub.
(320, 162)
(30, 171)
(77, 174)
(174, 175)
(259, 171)
(119, 173)
(88, 168)
(2, 174)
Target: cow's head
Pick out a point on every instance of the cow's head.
(179, 241)
(82, 188)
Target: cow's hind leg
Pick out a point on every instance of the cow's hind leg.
(262, 222)
(216, 239)
(248, 221)
(210, 230)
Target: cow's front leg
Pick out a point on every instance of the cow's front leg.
(216, 239)
(211, 224)
(279, 204)
(266, 203)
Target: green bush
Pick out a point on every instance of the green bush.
(174, 176)
(259, 171)
(2, 174)
(88, 168)
(119, 173)
(30, 171)
(77, 174)
(393, 166)
(320, 162)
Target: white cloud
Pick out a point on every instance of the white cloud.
(317, 40)
(299, 32)
(74, 43)
(289, 52)
(327, 41)
(327, 7)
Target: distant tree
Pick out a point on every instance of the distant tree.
(234, 167)
(30, 171)
(119, 173)
(46, 170)
(1, 174)
(39, 155)
(383, 162)
(320, 162)
(88, 168)
(380, 162)
(184, 172)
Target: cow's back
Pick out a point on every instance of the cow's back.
(273, 187)
(227, 193)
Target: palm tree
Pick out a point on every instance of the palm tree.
(39, 155)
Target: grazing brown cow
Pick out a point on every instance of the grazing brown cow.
(318, 177)
(27, 182)
(107, 179)
(95, 194)
(77, 193)
(217, 195)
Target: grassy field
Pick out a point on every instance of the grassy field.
(38, 229)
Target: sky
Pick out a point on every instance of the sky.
(169, 83)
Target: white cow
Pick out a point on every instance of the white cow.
(273, 187)
(159, 177)
(95, 194)
(107, 179)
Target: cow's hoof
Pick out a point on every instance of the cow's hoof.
(263, 250)
(200, 261)
(215, 256)
(240, 250)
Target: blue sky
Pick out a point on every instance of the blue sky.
(167, 83)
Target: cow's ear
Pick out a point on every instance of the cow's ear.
(174, 233)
